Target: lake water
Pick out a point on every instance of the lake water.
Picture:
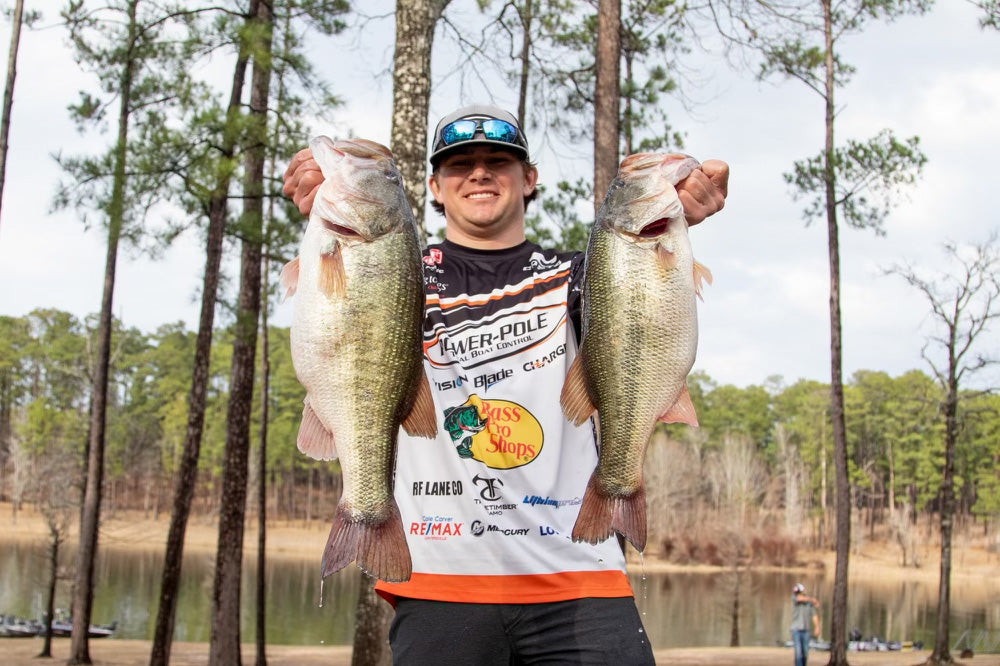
(678, 609)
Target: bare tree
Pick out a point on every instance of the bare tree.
(963, 306)
(56, 471)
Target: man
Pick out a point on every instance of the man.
(804, 618)
(489, 505)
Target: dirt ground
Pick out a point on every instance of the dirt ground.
(113, 652)
(974, 569)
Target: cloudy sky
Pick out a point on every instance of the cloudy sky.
(936, 76)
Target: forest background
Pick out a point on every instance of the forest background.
(747, 485)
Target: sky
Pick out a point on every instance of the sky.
(767, 313)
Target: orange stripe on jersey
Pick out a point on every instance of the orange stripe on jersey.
(436, 298)
(509, 589)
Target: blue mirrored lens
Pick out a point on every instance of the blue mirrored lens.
(499, 130)
(465, 130)
(460, 130)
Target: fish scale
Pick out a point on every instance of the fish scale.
(356, 347)
(640, 335)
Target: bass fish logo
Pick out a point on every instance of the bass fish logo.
(498, 433)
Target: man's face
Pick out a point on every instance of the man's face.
(482, 188)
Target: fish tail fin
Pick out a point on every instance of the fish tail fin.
(314, 439)
(593, 524)
(332, 279)
(602, 515)
(383, 552)
(574, 398)
(629, 517)
(701, 273)
(682, 411)
(378, 547)
(421, 420)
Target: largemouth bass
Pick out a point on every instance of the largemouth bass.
(356, 347)
(640, 334)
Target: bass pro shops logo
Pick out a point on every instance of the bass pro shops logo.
(498, 433)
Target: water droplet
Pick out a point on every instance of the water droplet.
(321, 592)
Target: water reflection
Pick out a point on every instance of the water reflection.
(678, 609)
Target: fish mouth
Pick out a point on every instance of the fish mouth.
(344, 231)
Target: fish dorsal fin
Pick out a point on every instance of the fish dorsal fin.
(421, 421)
(290, 278)
(575, 399)
(314, 439)
(701, 273)
(332, 279)
(682, 411)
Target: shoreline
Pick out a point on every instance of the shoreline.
(971, 564)
(114, 652)
(974, 569)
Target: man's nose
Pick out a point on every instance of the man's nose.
(479, 170)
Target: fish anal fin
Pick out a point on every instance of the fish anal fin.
(379, 548)
(332, 279)
(701, 273)
(421, 421)
(682, 411)
(574, 398)
(314, 439)
(289, 278)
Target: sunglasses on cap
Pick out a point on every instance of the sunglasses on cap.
(491, 128)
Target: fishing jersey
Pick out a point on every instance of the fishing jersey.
(488, 506)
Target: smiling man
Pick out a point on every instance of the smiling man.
(489, 506)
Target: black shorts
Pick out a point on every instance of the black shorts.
(581, 631)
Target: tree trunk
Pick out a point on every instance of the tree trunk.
(838, 617)
(606, 97)
(83, 591)
(941, 653)
(50, 592)
(187, 472)
(371, 644)
(224, 648)
(522, 94)
(411, 89)
(8, 92)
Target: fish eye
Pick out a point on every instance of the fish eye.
(391, 175)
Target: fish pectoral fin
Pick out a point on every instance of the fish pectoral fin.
(290, 278)
(332, 279)
(667, 258)
(574, 398)
(682, 411)
(421, 421)
(701, 273)
(314, 439)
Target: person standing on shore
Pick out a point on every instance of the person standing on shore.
(805, 616)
